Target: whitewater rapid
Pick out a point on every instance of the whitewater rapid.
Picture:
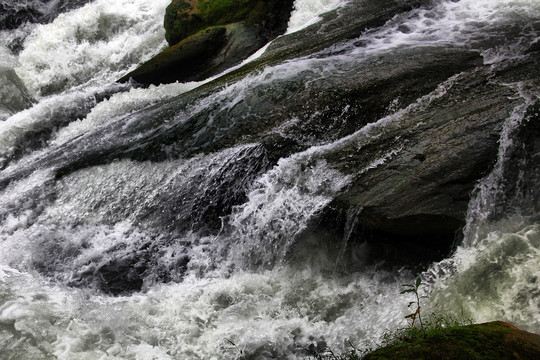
(249, 287)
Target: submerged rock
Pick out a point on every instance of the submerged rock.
(494, 340)
(210, 36)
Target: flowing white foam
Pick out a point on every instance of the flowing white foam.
(495, 280)
(120, 105)
(7, 59)
(499, 29)
(274, 314)
(280, 206)
(307, 12)
(95, 44)
(48, 115)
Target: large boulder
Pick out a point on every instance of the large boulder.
(414, 175)
(210, 36)
(200, 56)
(187, 17)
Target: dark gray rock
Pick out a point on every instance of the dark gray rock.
(416, 174)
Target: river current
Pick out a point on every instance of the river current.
(224, 275)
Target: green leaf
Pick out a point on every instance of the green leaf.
(418, 282)
(407, 291)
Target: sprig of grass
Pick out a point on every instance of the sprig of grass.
(433, 325)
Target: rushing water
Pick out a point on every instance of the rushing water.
(208, 243)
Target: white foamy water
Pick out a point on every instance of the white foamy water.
(307, 12)
(95, 44)
(273, 313)
(120, 105)
(280, 206)
(463, 23)
(50, 113)
(496, 279)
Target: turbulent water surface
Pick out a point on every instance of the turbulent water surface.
(201, 251)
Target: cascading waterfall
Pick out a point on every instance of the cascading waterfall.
(125, 234)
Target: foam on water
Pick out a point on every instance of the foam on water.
(274, 314)
(48, 115)
(512, 26)
(119, 105)
(280, 206)
(307, 12)
(496, 279)
(95, 44)
(7, 59)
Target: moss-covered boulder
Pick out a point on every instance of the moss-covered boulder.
(489, 341)
(187, 17)
(187, 60)
(210, 36)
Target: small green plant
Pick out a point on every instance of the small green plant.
(430, 326)
(413, 288)
(433, 325)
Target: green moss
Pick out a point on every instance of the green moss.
(474, 342)
(221, 12)
(180, 21)
(495, 340)
(185, 18)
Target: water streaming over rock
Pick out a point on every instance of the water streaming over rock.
(275, 208)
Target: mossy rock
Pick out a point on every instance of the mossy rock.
(209, 36)
(489, 341)
(187, 17)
